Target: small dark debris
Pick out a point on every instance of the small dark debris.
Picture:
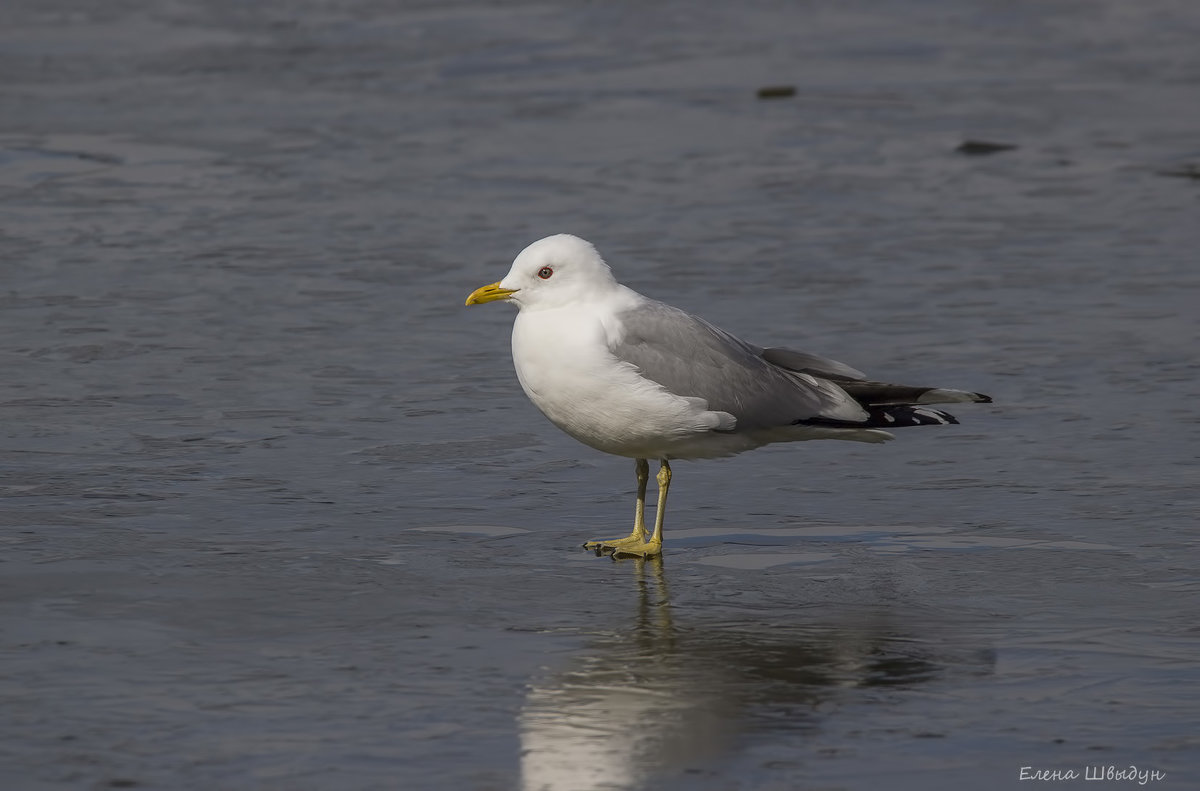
(776, 91)
(122, 782)
(88, 156)
(1189, 171)
(981, 147)
(104, 159)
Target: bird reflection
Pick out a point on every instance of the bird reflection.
(663, 698)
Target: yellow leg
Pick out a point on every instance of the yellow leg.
(653, 547)
(638, 536)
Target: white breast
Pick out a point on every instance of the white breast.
(565, 367)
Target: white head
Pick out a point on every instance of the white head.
(550, 273)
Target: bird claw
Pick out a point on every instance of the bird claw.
(599, 547)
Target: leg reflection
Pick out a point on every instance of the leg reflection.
(654, 605)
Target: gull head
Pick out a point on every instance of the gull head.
(550, 273)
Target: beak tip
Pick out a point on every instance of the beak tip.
(490, 293)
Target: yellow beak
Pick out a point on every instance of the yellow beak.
(490, 294)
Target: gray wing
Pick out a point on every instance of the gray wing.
(865, 392)
(690, 357)
(812, 364)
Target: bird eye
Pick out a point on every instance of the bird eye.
(545, 272)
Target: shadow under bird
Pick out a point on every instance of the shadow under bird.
(631, 376)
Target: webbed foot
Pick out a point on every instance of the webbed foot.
(608, 546)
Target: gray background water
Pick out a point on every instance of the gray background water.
(277, 516)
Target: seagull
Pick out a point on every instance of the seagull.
(635, 377)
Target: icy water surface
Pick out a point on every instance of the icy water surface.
(277, 516)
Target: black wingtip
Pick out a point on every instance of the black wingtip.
(888, 416)
(903, 415)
